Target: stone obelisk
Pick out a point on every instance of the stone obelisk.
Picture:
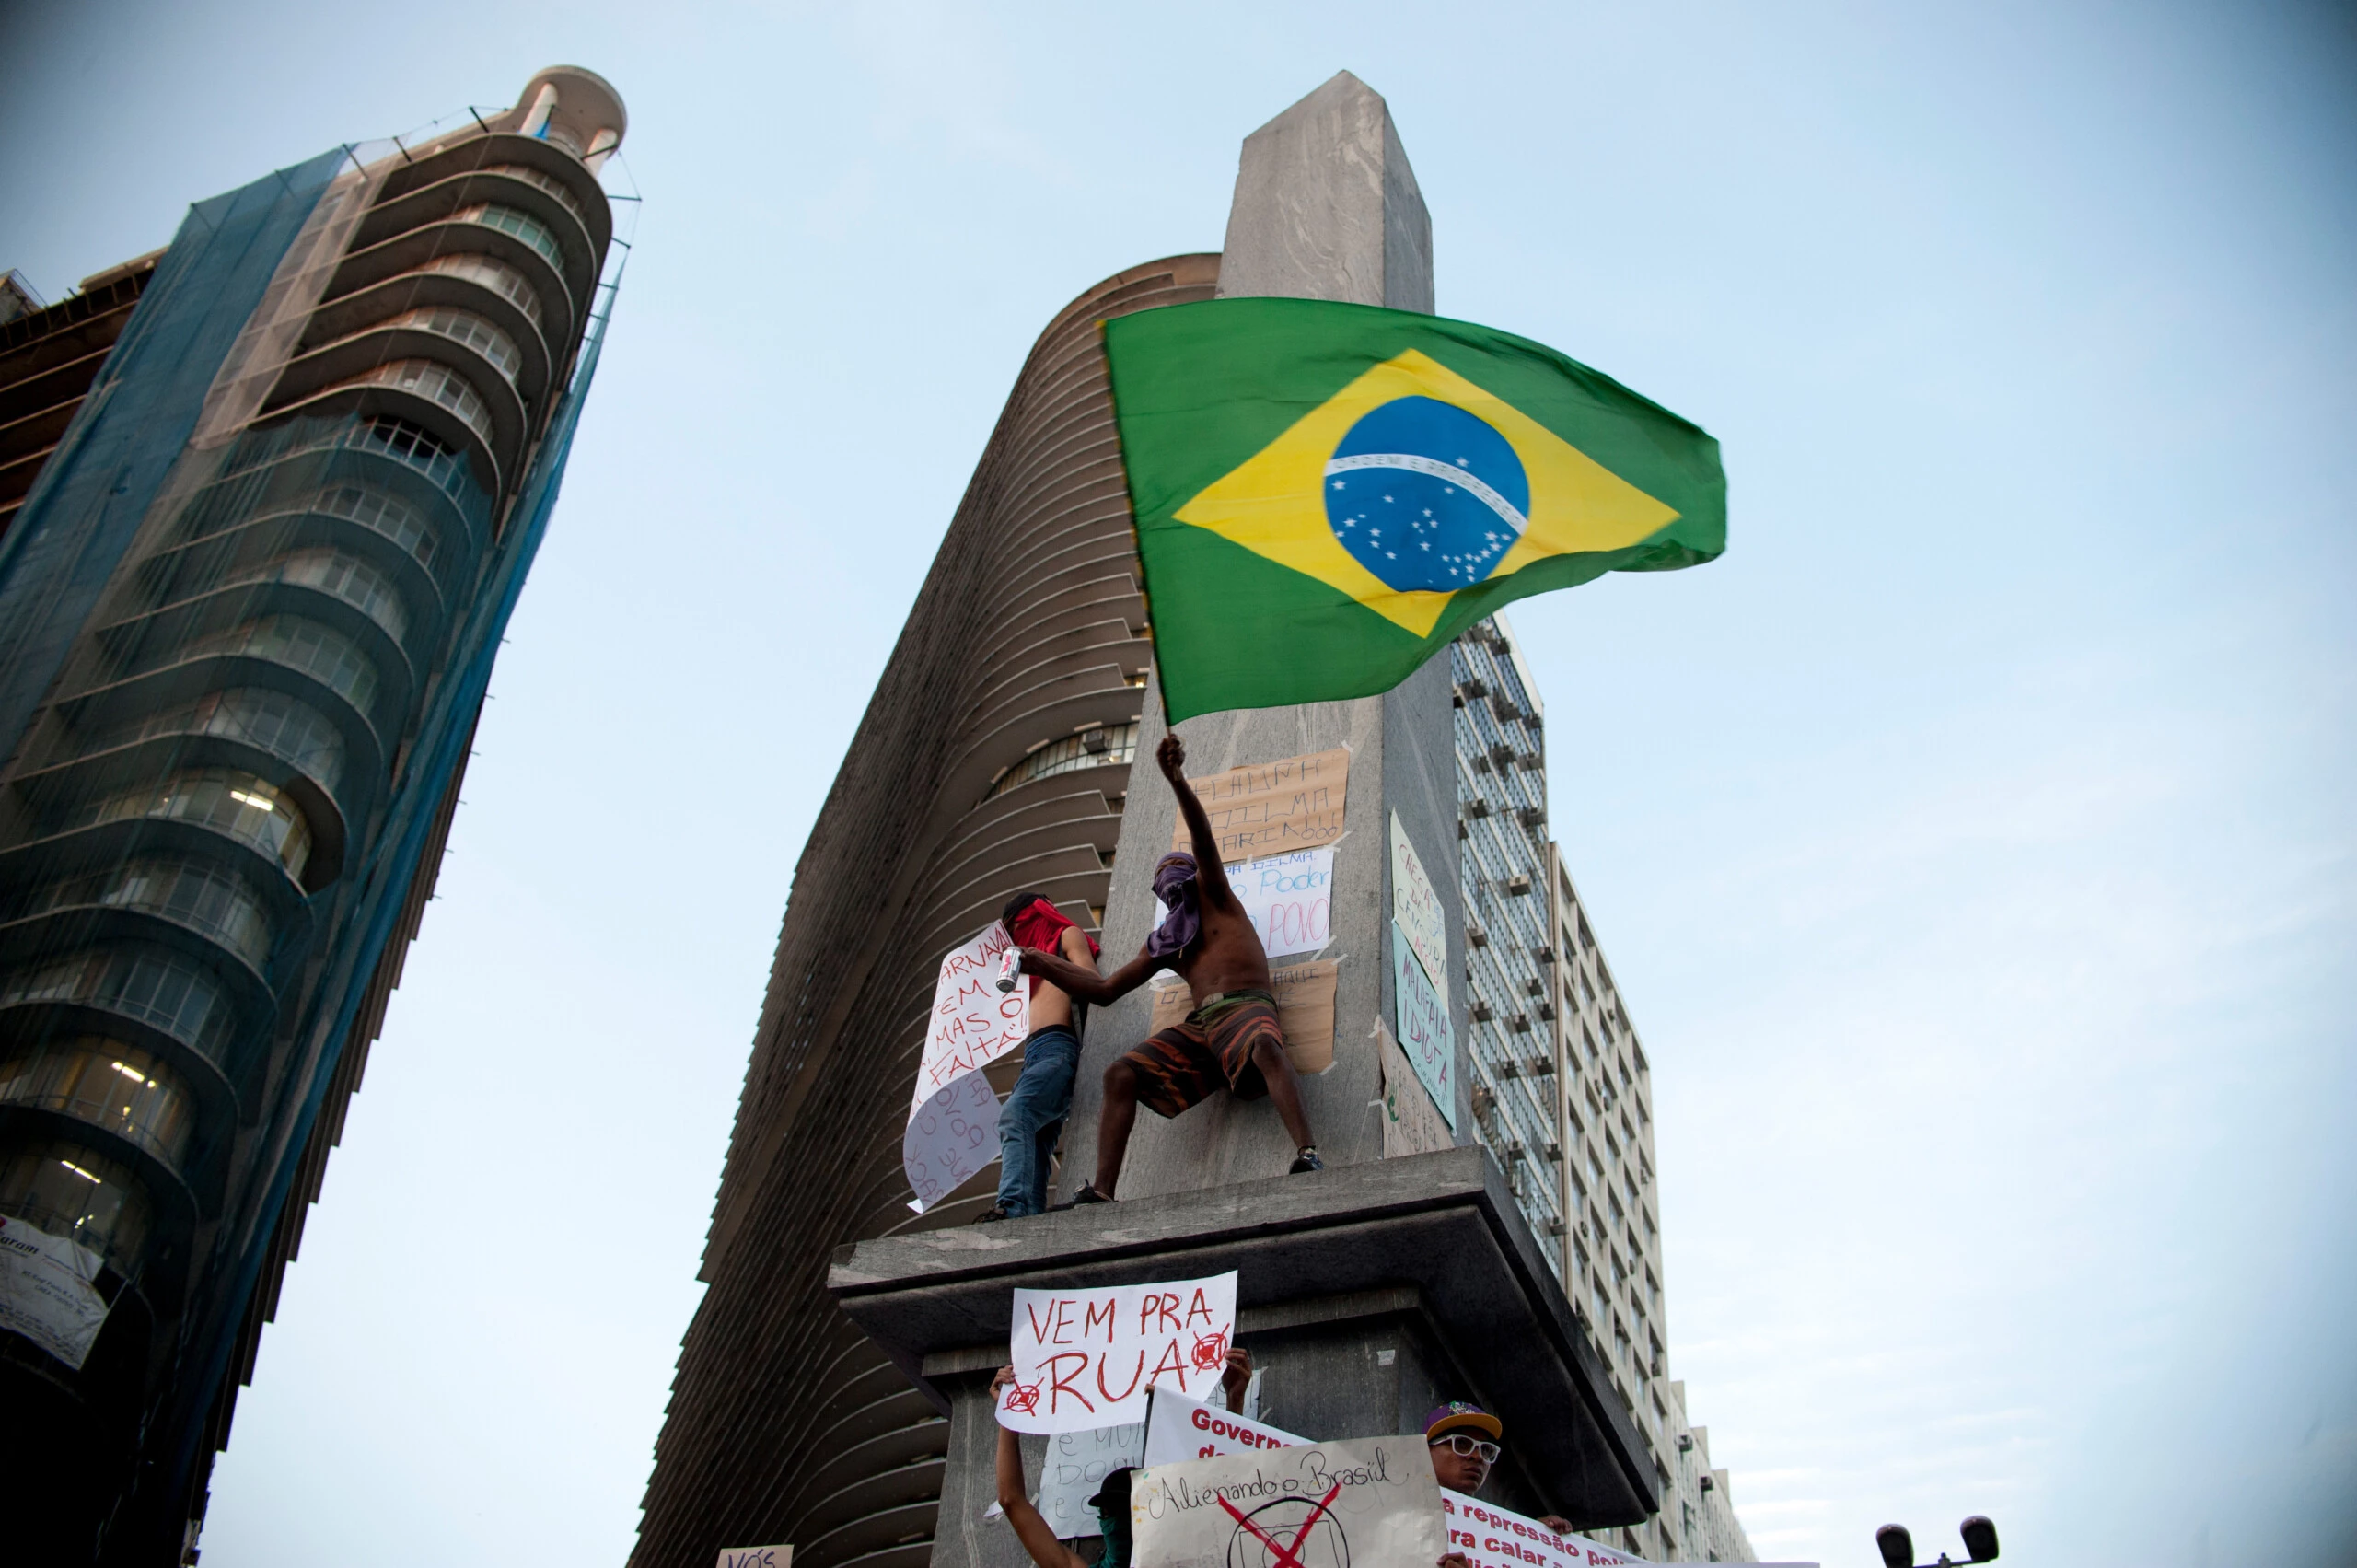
(1380, 1286)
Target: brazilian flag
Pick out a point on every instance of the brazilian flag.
(1327, 494)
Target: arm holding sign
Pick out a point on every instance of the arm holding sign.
(1038, 1536)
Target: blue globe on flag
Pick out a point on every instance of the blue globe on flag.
(1426, 495)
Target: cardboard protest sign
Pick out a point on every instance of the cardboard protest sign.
(1086, 1358)
(1304, 995)
(1273, 807)
(950, 1139)
(1411, 1123)
(1076, 1465)
(1417, 908)
(1492, 1536)
(973, 1023)
(1367, 1503)
(1179, 1429)
(1425, 1035)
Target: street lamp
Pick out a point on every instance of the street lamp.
(1898, 1547)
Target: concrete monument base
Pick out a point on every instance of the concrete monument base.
(1369, 1294)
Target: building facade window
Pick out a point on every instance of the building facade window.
(465, 328)
(521, 225)
(70, 1191)
(106, 1084)
(1108, 746)
(494, 274)
(162, 990)
(251, 809)
(201, 898)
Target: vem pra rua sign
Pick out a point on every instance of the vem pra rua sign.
(1367, 1503)
(1086, 1358)
(973, 1023)
(756, 1556)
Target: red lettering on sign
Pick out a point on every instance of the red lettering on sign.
(1090, 1322)
(1061, 1383)
(1170, 1363)
(1136, 1373)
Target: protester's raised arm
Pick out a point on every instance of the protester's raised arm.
(1210, 876)
(1081, 981)
(1038, 1536)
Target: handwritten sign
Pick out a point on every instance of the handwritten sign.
(950, 1139)
(1411, 1123)
(1367, 1503)
(1418, 910)
(973, 1023)
(1076, 1465)
(1178, 1428)
(1425, 1034)
(49, 1291)
(1492, 1536)
(1273, 807)
(1290, 898)
(1304, 995)
(1086, 1358)
(756, 1556)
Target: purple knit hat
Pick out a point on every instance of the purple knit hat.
(1174, 884)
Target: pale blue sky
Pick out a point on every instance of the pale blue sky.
(1973, 843)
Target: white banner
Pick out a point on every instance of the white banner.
(1179, 1429)
(1076, 1466)
(1492, 1536)
(1425, 1036)
(1367, 1503)
(48, 1292)
(950, 1139)
(756, 1556)
(1086, 1358)
(974, 1022)
(1290, 898)
(1417, 908)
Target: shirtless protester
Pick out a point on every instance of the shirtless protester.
(1230, 1039)
(1036, 1106)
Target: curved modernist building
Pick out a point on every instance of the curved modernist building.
(247, 615)
(994, 757)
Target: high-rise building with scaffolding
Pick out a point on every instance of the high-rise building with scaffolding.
(270, 496)
(1562, 1093)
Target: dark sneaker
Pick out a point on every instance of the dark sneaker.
(1307, 1161)
(1086, 1194)
(992, 1215)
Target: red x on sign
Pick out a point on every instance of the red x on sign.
(1287, 1554)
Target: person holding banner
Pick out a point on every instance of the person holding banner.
(1230, 1041)
(1464, 1443)
(1038, 1538)
(1036, 1108)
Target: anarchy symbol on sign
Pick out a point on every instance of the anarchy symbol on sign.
(1023, 1399)
(1210, 1352)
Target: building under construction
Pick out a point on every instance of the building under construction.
(269, 497)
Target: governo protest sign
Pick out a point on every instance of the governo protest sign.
(1086, 1358)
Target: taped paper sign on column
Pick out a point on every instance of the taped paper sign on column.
(1492, 1536)
(1076, 1465)
(950, 1139)
(973, 1023)
(1305, 994)
(1290, 900)
(1425, 1034)
(1272, 808)
(1178, 1428)
(1367, 1503)
(1086, 1358)
(49, 1291)
(1411, 1123)
(1416, 905)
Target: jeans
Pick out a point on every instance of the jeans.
(1032, 1116)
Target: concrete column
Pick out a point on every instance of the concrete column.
(1326, 208)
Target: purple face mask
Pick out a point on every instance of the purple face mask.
(1174, 884)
